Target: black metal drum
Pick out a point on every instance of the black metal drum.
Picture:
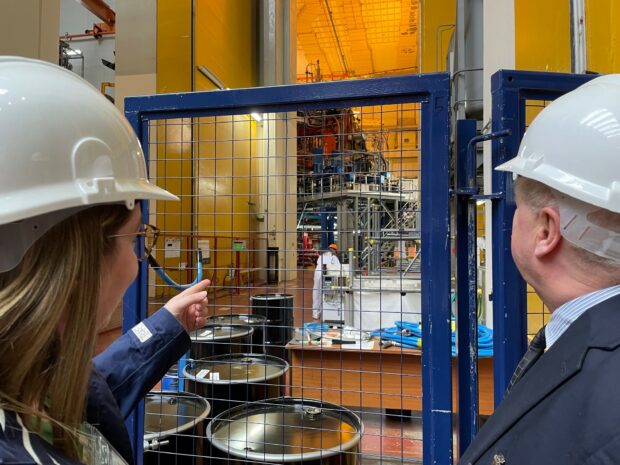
(288, 431)
(278, 309)
(174, 428)
(257, 322)
(229, 380)
(216, 339)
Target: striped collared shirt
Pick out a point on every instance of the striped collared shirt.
(567, 313)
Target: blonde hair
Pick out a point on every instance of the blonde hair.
(48, 313)
(537, 195)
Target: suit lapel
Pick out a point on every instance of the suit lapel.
(563, 360)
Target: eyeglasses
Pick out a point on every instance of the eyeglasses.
(150, 234)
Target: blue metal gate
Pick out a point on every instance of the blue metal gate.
(431, 93)
(513, 92)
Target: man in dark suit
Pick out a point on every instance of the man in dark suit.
(563, 406)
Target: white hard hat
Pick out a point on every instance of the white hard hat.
(63, 147)
(573, 145)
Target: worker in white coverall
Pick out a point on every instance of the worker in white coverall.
(328, 257)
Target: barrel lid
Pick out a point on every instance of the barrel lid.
(219, 332)
(168, 412)
(236, 369)
(271, 296)
(285, 429)
(237, 319)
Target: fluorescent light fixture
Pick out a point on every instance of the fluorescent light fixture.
(257, 117)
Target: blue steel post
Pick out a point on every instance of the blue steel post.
(509, 299)
(135, 302)
(436, 334)
(510, 90)
(466, 317)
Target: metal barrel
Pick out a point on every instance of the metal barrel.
(278, 309)
(286, 430)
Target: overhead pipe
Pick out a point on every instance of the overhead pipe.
(210, 75)
(101, 10)
(91, 34)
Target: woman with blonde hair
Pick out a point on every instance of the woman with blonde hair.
(72, 177)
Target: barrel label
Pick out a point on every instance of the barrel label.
(202, 373)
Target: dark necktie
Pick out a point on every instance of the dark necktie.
(534, 351)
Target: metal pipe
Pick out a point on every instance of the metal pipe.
(87, 35)
(578, 36)
(101, 10)
(217, 82)
(105, 84)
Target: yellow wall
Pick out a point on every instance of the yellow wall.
(225, 170)
(542, 43)
(542, 35)
(174, 46)
(172, 146)
(227, 42)
(603, 35)
(435, 18)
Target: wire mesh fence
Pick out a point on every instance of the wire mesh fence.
(263, 197)
(307, 220)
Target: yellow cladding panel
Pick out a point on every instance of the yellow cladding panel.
(224, 168)
(174, 46)
(226, 42)
(171, 168)
(542, 35)
(438, 18)
(603, 35)
(173, 149)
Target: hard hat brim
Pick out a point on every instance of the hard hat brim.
(63, 197)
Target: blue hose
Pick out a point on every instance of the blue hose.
(409, 335)
(168, 280)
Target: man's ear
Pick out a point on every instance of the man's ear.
(548, 232)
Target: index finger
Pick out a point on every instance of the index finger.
(201, 286)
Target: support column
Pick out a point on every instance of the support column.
(30, 28)
(278, 164)
(136, 49)
(499, 53)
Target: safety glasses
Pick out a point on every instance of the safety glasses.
(150, 234)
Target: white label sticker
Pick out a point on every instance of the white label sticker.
(202, 373)
(172, 247)
(142, 332)
(214, 376)
(207, 333)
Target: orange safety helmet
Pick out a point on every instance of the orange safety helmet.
(333, 246)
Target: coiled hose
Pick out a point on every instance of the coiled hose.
(409, 335)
